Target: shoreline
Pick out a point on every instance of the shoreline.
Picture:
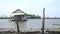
(34, 18)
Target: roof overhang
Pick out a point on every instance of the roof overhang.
(18, 14)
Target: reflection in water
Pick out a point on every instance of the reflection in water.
(22, 25)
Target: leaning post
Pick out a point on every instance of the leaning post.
(43, 21)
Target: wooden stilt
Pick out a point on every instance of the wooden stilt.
(43, 21)
(17, 26)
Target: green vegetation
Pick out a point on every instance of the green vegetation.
(32, 16)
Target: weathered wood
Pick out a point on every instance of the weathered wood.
(43, 21)
(17, 26)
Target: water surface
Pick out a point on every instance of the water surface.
(30, 24)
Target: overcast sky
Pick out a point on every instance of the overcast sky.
(52, 7)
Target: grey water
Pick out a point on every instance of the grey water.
(30, 24)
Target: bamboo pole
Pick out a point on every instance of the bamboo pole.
(43, 21)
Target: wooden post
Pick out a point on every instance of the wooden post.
(17, 26)
(43, 21)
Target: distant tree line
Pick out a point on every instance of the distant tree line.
(4, 17)
(29, 16)
(32, 16)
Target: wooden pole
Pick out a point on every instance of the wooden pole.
(17, 26)
(43, 21)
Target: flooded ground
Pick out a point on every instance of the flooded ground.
(30, 25)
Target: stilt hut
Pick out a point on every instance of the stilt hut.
(19, 15)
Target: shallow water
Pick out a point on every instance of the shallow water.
(30, 24)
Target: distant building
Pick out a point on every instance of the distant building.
(19, 15)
